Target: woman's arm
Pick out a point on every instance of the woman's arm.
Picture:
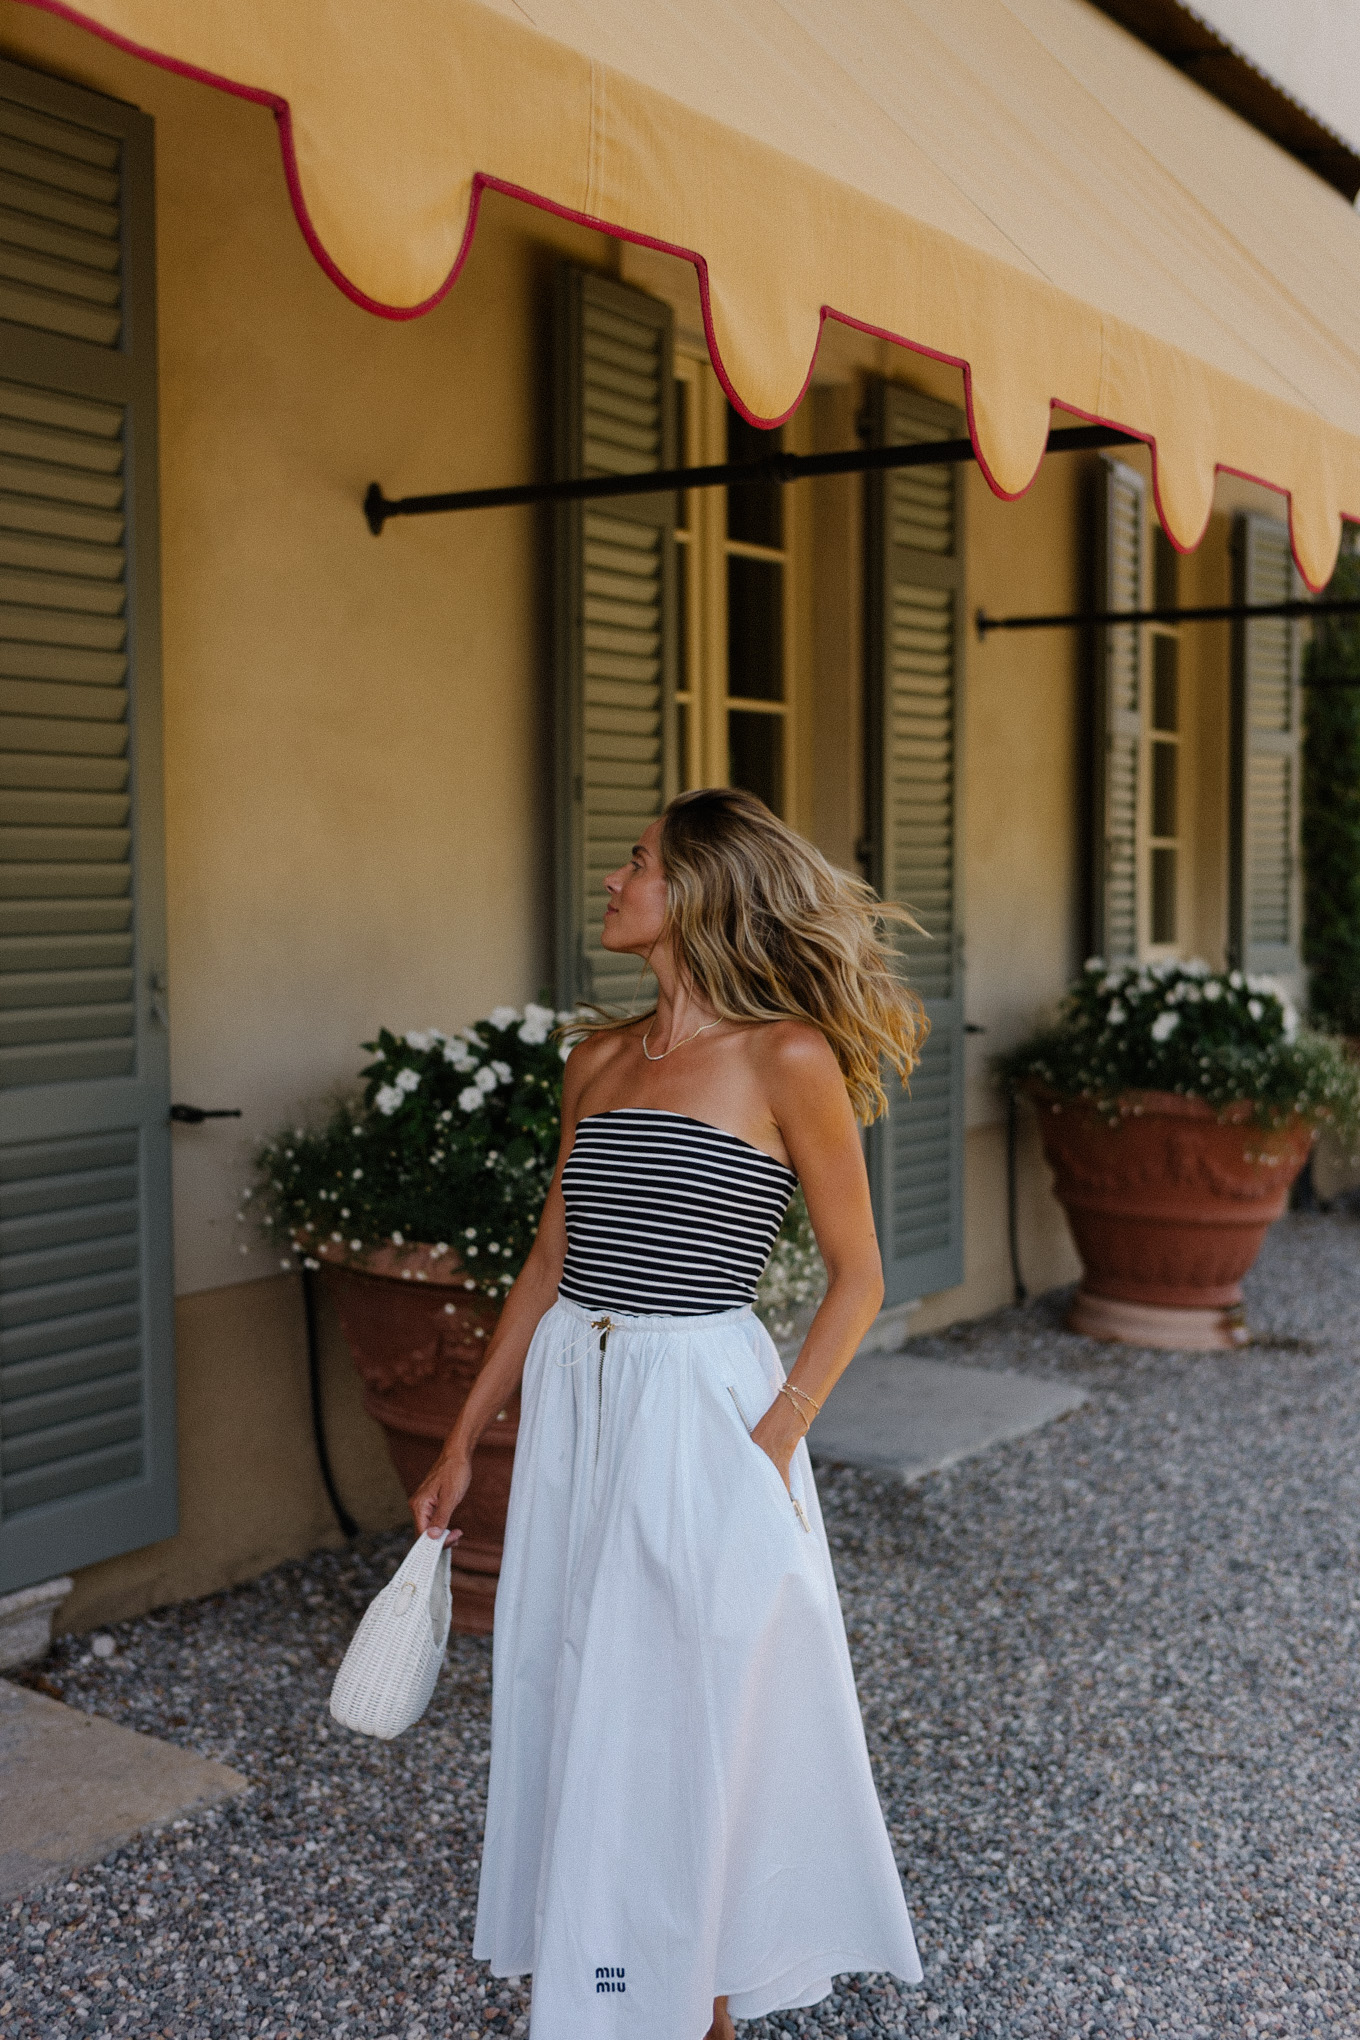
(811, 1108)
(533, 1293)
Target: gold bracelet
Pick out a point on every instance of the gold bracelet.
(786, 1389)
(794, 1389)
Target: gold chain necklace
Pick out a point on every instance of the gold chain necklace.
(677, 1044)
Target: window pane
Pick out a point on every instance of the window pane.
(684, 567)
(1164, 761)
(755, 754)
(682, 741)
(681, 452)
(755, 513)
(1166, 689)
(1164, 895)
(755, 629)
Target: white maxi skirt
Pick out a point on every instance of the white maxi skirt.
(680, 1804)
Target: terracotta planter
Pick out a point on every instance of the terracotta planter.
(1168, 1208)
(419, 1339)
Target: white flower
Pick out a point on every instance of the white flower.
(356, 1246)
(1236, 980)
(532, 1033)
(538, 1016)
(421, 1038)
(397, 1240)
(408, 1080)
(344, 1211)
(1255, 1008)
(1213, 990)
(1196, 967)
(389, 1098)
(1165, 1025)
(503, 1071)
(486, 1079)
(1117, 1015)
(504, 1016)
(470, 1232)
(357, 1174)
(471, 1098)
(1092, 963)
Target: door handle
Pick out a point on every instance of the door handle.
(194, 1115)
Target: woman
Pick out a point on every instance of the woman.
(681, 1820)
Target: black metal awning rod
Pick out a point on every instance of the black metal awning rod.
(776, 466)
(1215, 612)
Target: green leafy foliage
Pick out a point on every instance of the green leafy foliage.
(1331, 811)
(452, 1142)
(1216, 1035)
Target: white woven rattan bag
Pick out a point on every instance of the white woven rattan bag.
(388, 1673)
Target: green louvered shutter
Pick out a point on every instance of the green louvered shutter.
(915, 640)
(615, 613)
(87, 1422)
(1265, 891)
(1117, 718)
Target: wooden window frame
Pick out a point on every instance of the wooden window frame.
(705, 549)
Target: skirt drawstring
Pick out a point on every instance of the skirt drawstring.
(581, 1345)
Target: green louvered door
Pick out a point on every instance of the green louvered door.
(87, 1429)
(1117, 718)
(615, 613)
(1265, 891)
(915, 644)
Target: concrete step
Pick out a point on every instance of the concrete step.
(74, 1787)
(912, 1417)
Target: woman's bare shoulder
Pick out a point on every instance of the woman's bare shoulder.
(591, 1057)
(794, 1052)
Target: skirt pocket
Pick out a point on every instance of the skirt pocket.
(786, 1495)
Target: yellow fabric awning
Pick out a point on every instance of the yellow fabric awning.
(1017, 186)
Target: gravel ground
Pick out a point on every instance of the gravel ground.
(1109, 1676)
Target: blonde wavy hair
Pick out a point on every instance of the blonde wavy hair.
(766, 929)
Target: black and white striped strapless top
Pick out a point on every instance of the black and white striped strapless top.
(667, 1214)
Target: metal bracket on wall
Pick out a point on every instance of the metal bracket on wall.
(773, 467)
(1214, 612)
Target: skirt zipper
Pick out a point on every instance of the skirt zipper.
(604, 1326)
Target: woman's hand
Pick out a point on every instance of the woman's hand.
(439, 1494)
(778, 1434)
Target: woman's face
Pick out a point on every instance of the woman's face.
(636, 912)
